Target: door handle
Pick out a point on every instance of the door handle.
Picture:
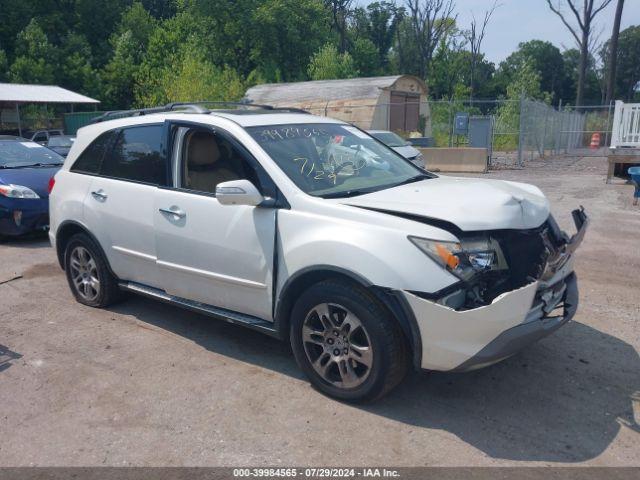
(99, 195)
(176, 213)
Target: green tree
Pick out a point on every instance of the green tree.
(74, 69)
(285, 34)
(328, 64)
(526, 83)
(230, 31)
(14, 16)
(129, 43)
(166, 47)
(591, 93)
(96, 21)
(35, 60)
(405, 56)
(628, 69)
(366, 58)
(377, 23)
(544, 57)
(198, 79)
(4, 66)
(120, 73)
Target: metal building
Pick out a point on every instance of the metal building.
(397, 103)
(14, 95)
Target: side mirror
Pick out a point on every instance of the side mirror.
(238, 192)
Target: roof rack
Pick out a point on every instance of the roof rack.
(187, 107)
(240, 104)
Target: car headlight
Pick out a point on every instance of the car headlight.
(17, 191)
(462, 260)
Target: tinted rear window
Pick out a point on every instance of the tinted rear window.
(137, 155)
(89, 161)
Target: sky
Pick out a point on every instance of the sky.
(517, 21)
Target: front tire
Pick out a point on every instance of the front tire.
(346, 343)
(88, 274)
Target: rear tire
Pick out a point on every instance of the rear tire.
(88, 273)
(346, 342)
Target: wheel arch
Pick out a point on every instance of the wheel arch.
(68, 229)
(388, 298)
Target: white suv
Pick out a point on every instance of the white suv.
(365, 267)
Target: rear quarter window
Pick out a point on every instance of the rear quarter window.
(137, 156)
(90, 159)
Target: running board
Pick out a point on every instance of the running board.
(230, 316)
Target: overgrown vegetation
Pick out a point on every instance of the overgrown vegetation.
(139, 53)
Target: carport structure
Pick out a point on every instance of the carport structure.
(14, 95)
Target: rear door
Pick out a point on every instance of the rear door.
(119, 208)
(207, 252)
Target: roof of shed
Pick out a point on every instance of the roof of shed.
(275, 93)
(23, 93)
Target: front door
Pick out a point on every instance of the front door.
(221, 255)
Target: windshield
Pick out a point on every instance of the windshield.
(61, 141)
(16, 154)
(333, 160)
(390, 139)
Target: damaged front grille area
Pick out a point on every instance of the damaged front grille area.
(528, 256)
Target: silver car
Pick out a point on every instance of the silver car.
(400, 145)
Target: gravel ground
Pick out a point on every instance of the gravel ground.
(147, 384)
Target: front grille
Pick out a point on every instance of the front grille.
(525, 253)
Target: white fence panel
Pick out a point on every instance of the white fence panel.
(626, 125)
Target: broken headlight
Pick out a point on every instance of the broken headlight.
(463, 259)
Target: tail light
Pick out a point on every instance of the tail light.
(52, 182)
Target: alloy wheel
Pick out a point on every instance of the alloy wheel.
(337, 345)
(84, 273)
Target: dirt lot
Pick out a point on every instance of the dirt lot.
(147, 384)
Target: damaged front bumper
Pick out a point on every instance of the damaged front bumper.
(460, 340)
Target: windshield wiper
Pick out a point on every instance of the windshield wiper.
(362, 191)
(416, 178)
(40, 164)
(348, 193)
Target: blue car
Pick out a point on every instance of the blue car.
(26, 168)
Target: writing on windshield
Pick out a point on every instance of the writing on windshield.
(325, 159)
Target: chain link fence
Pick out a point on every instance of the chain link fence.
(575, 131)
(521, 130)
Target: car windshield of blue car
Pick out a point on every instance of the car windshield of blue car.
(333, 160)
(20, 154)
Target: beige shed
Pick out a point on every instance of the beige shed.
(397, 103)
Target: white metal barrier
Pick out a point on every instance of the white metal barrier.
(626, 125)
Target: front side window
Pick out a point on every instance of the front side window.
(333, 160)
(90, 159)
(208, 159)
(137, 155)
(19, 154)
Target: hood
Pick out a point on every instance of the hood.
(407, 151)
(470, 204)
(37, 179)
